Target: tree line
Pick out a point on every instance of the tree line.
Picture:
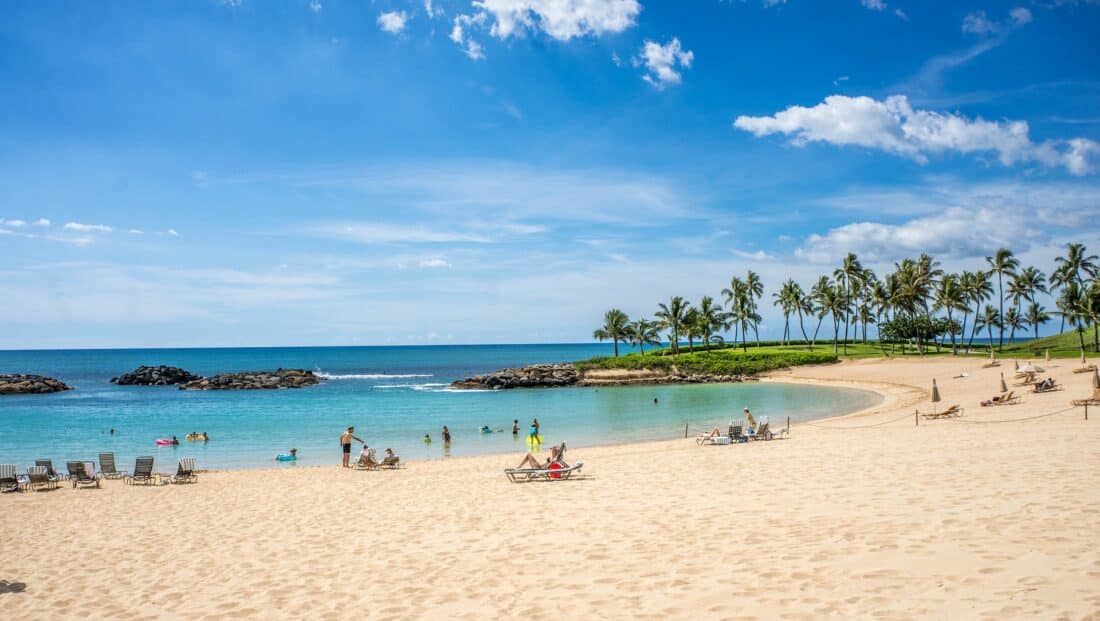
(915, 302)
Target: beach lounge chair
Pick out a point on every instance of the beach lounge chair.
(185, 472)
(950, 412)
(107, 467)
(367, 462)
(80, 476)
(38, 478)
(48, 465)
(9, 480)
(1008, 398)
(1093, 400)
(736, 434)
(557, 470)
(390, 463)
(1045, 386)
(1086, 369)
(143, 473)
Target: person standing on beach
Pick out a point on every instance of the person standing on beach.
(345, 443)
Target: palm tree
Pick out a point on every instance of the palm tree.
(801, 304)
(1078, 311)
(990, 319)
(672, 316)
(1036, 315)
(711, 318)
(1014, 320)
(756, 291)
(1002, 263)
(981, 289)
(735, 291)
(850, 273)
(614, 328)
(951, 297)
(691, 326)
(644, 332)
(816, 298)
(1077, 262)
(785, 301)
(833, 302)
(741, 313)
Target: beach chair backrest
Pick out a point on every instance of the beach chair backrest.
(736, 431)
(561, 453)
(48, 463)
(76, 468)
(186, 466)
(7, 473)
(143, 468)
(38, 474)
(107, 463)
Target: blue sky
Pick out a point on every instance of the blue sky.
(401, 172)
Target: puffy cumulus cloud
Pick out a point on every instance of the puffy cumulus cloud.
(560, 19)
(661, 62)
(953, 232)
(42, 222)
(393, 22)
(892, 125)
(13, 223)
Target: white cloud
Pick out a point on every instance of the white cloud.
(771, 3)
(42, 222)
(661, 62)
(759, 255)
(901, 14)
(957, 219)
(892, 125)
(431, 10)
(462, 24)
(13, 223)
(87, 228)
(172, 233)
(393, 22)
(874, 5)
(136, 232)
(315, 6)
(561, 20)
(978, 23)
(434, 263)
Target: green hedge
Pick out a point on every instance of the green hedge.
(717, 362)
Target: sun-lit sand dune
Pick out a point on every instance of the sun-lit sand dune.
(849, 518)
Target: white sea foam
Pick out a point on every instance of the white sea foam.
(369, 376)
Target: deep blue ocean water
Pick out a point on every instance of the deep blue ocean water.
(392, 395)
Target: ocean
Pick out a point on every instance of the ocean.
(392, 395)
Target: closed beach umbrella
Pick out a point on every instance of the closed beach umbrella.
(1083, 361)
(1096, 379)
(1015, 364)
(1047, 355)
(935, 392)
(1004, 386)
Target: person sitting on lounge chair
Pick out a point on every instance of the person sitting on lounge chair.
(1045, 385)
(709, 436)
(390, 460)
(366, 458)
(529, 460)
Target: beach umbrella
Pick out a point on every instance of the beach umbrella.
(1047, 355)
(1016, 364)
(1004, 386)
(1083, 360)
(935, 394)
(1095, 379)
(1030, 368)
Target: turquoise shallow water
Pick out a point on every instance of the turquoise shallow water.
(392, 395)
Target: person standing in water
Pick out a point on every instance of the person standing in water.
(446, 435)
(345, 443)
(515, 427)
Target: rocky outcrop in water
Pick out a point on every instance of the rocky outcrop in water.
(534, 376)
(256, 380)
(556, 375)
(30, 385)
(155, 376)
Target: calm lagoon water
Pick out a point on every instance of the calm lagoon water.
(392, 395)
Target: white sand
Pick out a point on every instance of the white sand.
(948, 520)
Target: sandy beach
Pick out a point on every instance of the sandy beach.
(863, 516)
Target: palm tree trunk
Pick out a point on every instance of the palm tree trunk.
(977, 309)
(816, 330)
(744, 337)
(1001, 301)
(847, 311)
(836, 332)
(616, 347)
(802, 324)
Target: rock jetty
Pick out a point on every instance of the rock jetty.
(30, 385)
(556, 375)
(256, 380)
(155, 376)
(534, 376)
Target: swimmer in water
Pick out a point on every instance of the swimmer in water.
(427, 439)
